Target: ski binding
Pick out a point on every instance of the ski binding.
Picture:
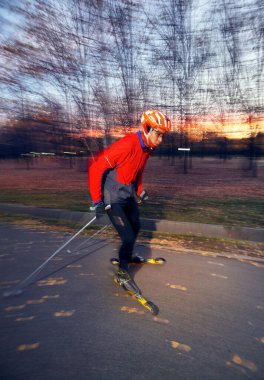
(155, 261)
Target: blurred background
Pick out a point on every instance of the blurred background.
(75, 75)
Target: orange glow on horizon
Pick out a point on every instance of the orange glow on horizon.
(232, 126)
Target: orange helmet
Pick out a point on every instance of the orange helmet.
(154, 119)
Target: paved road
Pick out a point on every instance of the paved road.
(74, 323)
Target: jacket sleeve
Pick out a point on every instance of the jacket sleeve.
(96, 170)
(106, 160)
(139, 186)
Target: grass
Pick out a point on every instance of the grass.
(179, 243)
(203, 245)
(46, 223)
(247, 212)
(71, 200)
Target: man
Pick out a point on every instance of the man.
(115, 178)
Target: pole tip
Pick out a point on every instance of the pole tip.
(12, 293)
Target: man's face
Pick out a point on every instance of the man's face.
(155, 138)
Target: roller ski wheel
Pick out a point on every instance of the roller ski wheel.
(150, 306)
(141, 260)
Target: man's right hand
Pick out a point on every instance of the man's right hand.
(98, 208)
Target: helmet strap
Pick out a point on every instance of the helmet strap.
(147, 135)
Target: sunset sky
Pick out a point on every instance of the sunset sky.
(233, 127)
(122, 58)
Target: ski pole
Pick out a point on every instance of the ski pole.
(18, 288)
(85, 242)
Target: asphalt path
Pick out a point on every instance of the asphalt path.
(74, 323)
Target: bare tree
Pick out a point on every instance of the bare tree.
(124, 55)
(102, 61)
(238, 75)
(180, 51)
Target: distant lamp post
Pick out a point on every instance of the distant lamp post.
(186, 152)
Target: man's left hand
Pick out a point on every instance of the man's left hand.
(142, 197)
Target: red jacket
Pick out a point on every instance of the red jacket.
(128, 156)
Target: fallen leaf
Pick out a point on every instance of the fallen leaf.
(28, 347)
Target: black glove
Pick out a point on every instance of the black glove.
(142, 197)
(99, 208)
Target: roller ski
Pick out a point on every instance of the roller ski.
(122, 278)
(141, 260)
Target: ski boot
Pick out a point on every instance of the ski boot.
(123, 279)
(136, 259)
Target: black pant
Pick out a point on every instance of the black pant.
(125, 218)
